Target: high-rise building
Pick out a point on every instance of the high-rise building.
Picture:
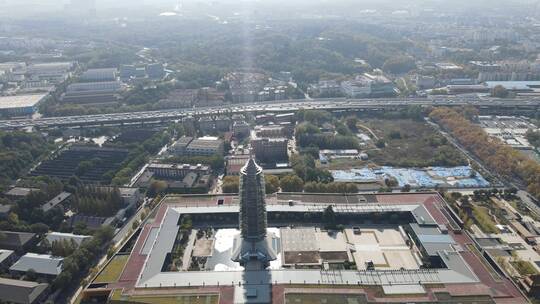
(253, 248)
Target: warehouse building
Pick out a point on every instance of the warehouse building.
(205, 146)
(23, 292)
(93, 92)
(20, 105)
(99, 75)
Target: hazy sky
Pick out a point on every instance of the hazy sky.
(26, 8)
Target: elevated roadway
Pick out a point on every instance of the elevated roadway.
(337, 104)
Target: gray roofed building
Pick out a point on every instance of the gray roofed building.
(109, 86)
(91, 222)
(155, 70)
(6, 257)
(55, 201)
(19, 192)
(98, 75)
(59, 236)
(176, 171)
(4, 210)
(22, 292)
(205, 146)
(50, 67)
(20, 104)
(189, 179)
(42, 264)
(179, 147)
(422, 216)
(183, 141)
(15, 240)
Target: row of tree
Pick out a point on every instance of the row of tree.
(97, 201)
(291, 183)
(77, 264)
(503, 159)
(139, 156)
(533, 137)
(334, 187)
(18, 150)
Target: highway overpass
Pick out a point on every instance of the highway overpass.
(505, 107)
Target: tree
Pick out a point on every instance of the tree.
(533, 137)
(84, 167)
(352, 123)
(63, 248)
(470, 112)
(334, 187)
(399, 65)
(80, 228)
(271, 184)
(291, 183)
(391, 182)
(62, 280)
(329, 217)
(394, 134)
(406, 188)
(13, 218)
(415, 112)
(342, 129)
(499, 91)
(499, 157)
(39, 228)
(31, 275)
(315, 116)
(231, 184)
(156, 187)
(300, 163)
(318, 175)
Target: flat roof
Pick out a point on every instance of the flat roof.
(205, 143)
(20, 101)
(514, 85)
(463, 274)
(179, 166)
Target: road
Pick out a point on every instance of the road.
(124, 231)
(117, 241)
(523, 195)
(273, 106)
(465, 152)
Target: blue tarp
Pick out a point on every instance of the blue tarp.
(426, 177)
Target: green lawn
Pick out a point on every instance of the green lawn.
(484, 220)
(321, 298)
(411, 143)
(524, 268)
(184, 299)
(113, 270)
